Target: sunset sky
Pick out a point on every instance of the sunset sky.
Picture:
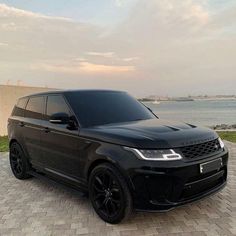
(163, 47)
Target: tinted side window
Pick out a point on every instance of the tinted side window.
(35, 107)
(20, 107)
(56, 104)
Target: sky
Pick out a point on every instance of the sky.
(145, 47)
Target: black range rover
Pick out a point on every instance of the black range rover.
(107, 144)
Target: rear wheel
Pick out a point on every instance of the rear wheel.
(109, 194)
(19, 163)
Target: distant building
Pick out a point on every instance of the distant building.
(8, 97)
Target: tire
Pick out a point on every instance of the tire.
(109, 194)
(18, 162)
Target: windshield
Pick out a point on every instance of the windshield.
(95, 108)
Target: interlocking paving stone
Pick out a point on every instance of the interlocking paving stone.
(34, 207)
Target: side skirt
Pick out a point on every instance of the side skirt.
(80, 191)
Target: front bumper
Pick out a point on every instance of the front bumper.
(163, 188)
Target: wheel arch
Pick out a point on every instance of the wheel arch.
(109, 161)
(96, 163)
(13, 140)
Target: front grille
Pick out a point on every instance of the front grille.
(203, 149)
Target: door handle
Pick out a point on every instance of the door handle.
(21, 124)
(46, 130)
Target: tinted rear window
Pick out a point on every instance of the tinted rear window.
(35, 107)
(19, 107)
(104, 107)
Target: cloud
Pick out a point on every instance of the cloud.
(112, 55)
(3, 44)
(8, 26)
(7, 11)
(167, 20)
(163, 47)
(119, 3)
(124, 3)
(198, 12)
(101, 54)
(80, 59)
(82, 67)
(128, 59)
(95, 68)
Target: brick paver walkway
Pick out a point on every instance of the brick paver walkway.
(34, 207)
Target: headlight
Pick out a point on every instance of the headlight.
(155, 155)
(222, 145)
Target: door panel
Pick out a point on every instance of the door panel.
(60, 146)
(32, 130)
(31, 125)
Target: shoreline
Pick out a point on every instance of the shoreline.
(224, 127)
(225, 130)
(147, 100)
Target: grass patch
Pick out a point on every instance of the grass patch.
(4, 144)
(228, 135)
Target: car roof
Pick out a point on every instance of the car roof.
(72, 91)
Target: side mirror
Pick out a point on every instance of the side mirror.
(59, 118)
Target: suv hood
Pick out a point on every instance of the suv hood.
(153, 134)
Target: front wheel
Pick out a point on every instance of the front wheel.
(109, 194)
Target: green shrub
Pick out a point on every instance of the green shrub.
(4, 144)
(228, 135)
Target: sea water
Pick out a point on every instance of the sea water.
(199, 112)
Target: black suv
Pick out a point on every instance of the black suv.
(109, 145)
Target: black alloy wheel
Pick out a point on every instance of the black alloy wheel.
(109, 194)
(18, 162)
